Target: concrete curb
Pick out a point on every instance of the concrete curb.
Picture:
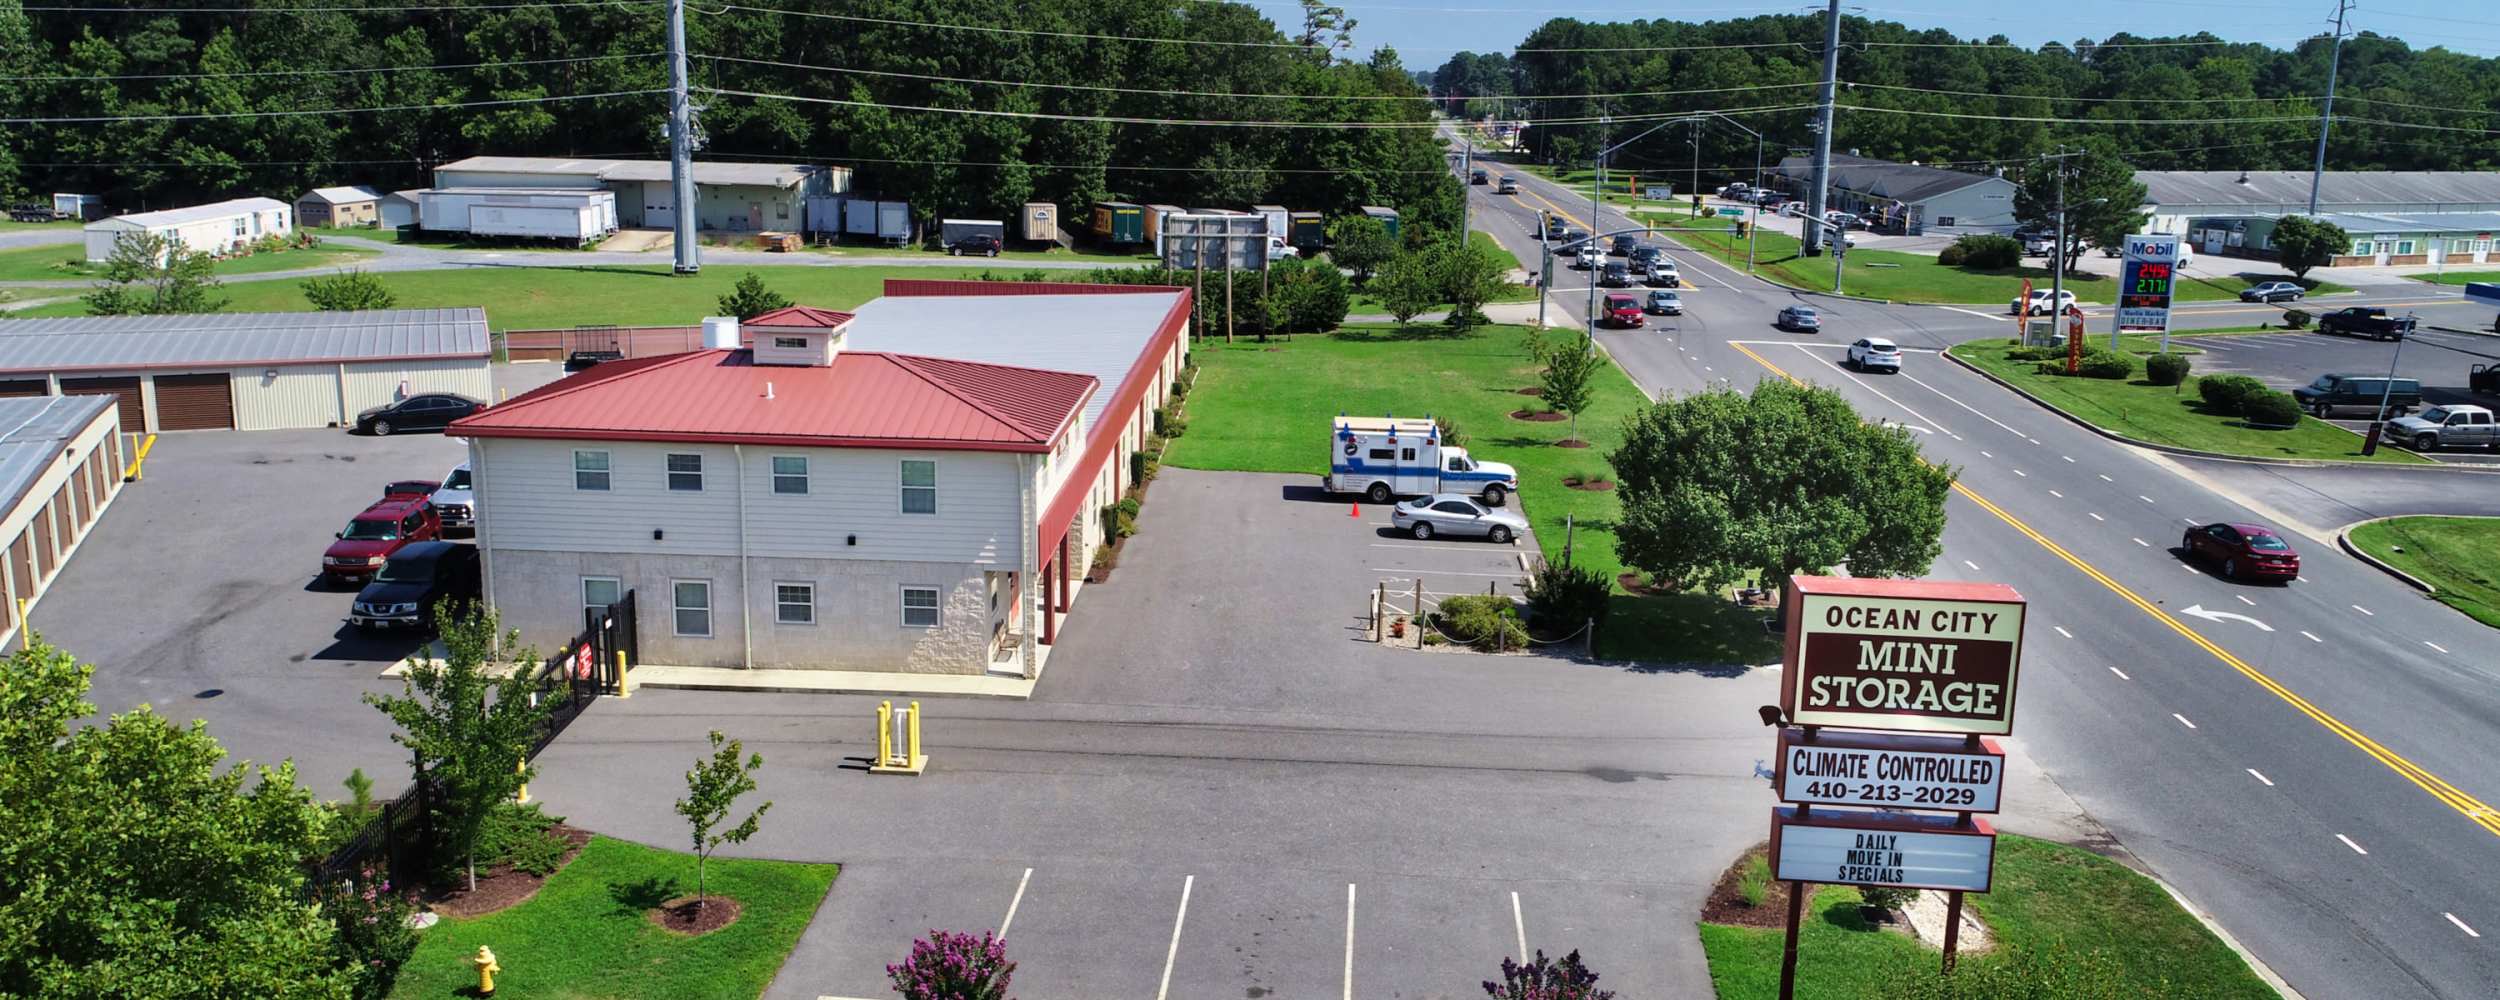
(2465, 331)
(2291, 463)
(2256, 965)
(2343, 539)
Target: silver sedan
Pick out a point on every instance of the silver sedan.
(1458, 517)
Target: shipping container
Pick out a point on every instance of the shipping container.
(1306, 230)
(1387, 217)
(952, 230)
(859, 217)
(824, 214)
(1119, 222)
(1154, 218)
(576, 216)
(1041, 222)
(1278, 220)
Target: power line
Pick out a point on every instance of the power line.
(339, 10)
(1225, 122)
(2079, 121)
(323, 71)
(220, 115)
(995, 30)
(1411, 98)
(2091, 100)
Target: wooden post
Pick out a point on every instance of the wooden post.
(1419, 613)
(1788, 954)
(1952, 927)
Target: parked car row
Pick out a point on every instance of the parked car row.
(396, 551)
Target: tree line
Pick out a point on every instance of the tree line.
(1047, 136)
(2196, 90)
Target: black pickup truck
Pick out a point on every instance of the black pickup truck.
(2365, 321)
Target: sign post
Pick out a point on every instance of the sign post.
(2145, 279)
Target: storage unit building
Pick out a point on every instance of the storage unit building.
(2378, 239)
(1911, 198)
(577, 217)
(741, 197)
(2176, 198)
(355, 205)
(60, 468)
(247, 371)
(213, 229)
(399, 208)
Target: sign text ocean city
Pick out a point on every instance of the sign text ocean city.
(1906, 664)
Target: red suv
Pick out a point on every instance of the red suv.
(395, 521)
(1624, 311)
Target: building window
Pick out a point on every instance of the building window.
(919, 487)
(693, 607)
(238, 227)
(2482, 246)
(920, 607)
(794, 603)
(590, 470)
(790, 343)
(685, 473)
(781, 210)
(600, 591)
(2404, 247)
(790, 475)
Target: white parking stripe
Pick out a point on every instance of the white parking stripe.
(1013, 903)
(2434, 645)
(2356, 848)
(2183, 720)
(2122, 675)
(1164, 991)
(2097, 517)
(2061, 630)
(1349, 941)
(2452, 918)
(2245, 600)
(2262, 779)
(2364, 610)
(1519, 924)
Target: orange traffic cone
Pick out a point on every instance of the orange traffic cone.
(1354, 510)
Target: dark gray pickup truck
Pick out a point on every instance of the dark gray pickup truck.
(2365, 321)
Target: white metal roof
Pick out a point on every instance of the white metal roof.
(32, 431)
(1097, 335)
(2427, 190)
(217, 340)
(759, 174)
(343, 195)
(195, 213)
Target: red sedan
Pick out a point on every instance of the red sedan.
(2244, 550)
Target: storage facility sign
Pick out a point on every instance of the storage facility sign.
(1890, 771)
(1891, 850)
(1905, 655)
(2145, 277)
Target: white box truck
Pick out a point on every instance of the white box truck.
(1383, 458)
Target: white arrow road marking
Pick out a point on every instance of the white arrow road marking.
(2214, 616)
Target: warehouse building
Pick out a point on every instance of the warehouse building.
(2378, 239)
(2176, 198)
(247, 371)
(1909, 198)
(742, 197)
(339, 206)
(209, 229)
(913, 488)
(60, 466)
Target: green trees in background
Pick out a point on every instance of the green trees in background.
(2302, 243)
(2104, 201)
(150, 275)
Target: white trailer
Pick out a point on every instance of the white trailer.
(1383, 458)
(82, 207)
(575, 216)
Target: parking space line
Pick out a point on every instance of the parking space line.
(2312, 638)
(2452, 918)
(2356, 848)
(2261, 779)
(2061, 630)
(2244, 600)
(1164, 991)
(2434, 645)
(1349, 941)
(2122, 675)
(1441, 572)
(2183, 720)
(1520, 924)
(1013, 903)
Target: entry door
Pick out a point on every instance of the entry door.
(755, 215)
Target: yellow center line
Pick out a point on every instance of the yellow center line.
(2474, 809)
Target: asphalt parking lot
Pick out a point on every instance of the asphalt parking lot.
(2290, 359)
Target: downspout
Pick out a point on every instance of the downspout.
(477, 519)
(1028, 541)
(746, 607)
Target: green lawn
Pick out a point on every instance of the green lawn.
(7, 226)
(2170, 415)
(2458, 555)
(2046, 899)
(1365, 304)
(66, 261)
(1916, 277)
(2456, 277)
(584, 934)
(523, 298)
(1266, 408)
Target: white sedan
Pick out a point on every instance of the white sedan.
(2040, 304)
(1875, 353)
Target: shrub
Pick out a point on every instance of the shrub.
(2297, 319)
(541, 854)
(2106, 364)
(2227, 394)
(2166, 369)
(1562, 598)
(2040, 353)
(374, 936)
(1102, 561)
(1169, 423)
(2270, 409)
(1130, 506)
(1547, 979)
(1877, 898)
(951, 966)
(1753, 885)
(1485, 621)
(1988, 252)
(1452, 436)
(1117, 523)
(1953, 255)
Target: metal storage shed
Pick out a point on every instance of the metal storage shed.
(354, 205)
(248, 371)
(60, 467)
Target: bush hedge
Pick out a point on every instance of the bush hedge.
(2297, 319)
(1562, 598)
(2097, 363)
(2166, 369)
(2228, 394)
(1987, 252)
(2269, 408)
(1485, 621)
(1952, 255)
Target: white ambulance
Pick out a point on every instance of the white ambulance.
(1387, 457)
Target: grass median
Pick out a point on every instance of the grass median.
(2170, 415)
(67, 262)
(2068, 907)
(1266, 408)
(2456, 277)
(2458, 556)
(585, 933)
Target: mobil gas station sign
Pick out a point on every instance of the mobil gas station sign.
(1922, 656)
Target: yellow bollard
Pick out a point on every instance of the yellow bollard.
(25, 632)
(486, 969)
(522, 767)
(898, 752)
(623, 688)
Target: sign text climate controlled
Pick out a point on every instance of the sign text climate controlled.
(1892, 771)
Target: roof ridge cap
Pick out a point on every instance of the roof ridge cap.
(910, 363)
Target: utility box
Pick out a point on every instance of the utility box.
(1387, 217)
(1119, 222)
(1041, 222)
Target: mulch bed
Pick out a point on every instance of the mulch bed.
(1591, 485)
(1726, 906)
(1632, 584)
(1571, 443)
(1534, 390)
(681, 916)
(499, 887)
(1538, 416)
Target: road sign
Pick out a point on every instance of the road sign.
(1891, 850)
(1658, 192)
(1890, 771)
(2145, 277)
(1928, 656)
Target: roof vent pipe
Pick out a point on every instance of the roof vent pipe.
(768, 390)
(720, 333)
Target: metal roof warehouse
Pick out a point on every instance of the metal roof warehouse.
(248, 371)
(60, 467)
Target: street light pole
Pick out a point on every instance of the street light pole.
(1544, 278)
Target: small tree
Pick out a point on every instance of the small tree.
(2301, 243)
(1547, 979)
(1359, 243)
(1568, 370)
(1307, 296)
(712, 789)
(471, 734)
(151, 275)
(751, 299)
(950, 966)
(348, 291)
(1405, 285)
(1471, 275)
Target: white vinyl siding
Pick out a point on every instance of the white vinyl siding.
(920, 607)
(919, 487)
(691, 607)
(590, 471)
(794, 603)
(790, 475)
(685, 473)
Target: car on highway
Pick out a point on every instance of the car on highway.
(1458, 517)
(456, 499)
(1587, 259)
(1509, 185)
(390, 524)
(1622, 246)
(1664, 303)
(2241, 550)
(431, 411)
(1621, 311)
(413, 583)
(2040, 303)
(1799, 318)
(1875, 354)
(1661, 273)
(1479, 177)
(1646, 254)
(1616, 274)
(2454, 425)
(2272, 291)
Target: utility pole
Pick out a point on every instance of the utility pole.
(1823, 131)
(681, 140)
(1466, 186)
(1597, 217)
(2326, 117)
(1544, 278)
(2057, 258)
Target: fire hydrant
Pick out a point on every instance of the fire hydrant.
(486, 969)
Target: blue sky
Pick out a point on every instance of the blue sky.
(1426, 32)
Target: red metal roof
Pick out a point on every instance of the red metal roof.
(865, 399)
(788, 316)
